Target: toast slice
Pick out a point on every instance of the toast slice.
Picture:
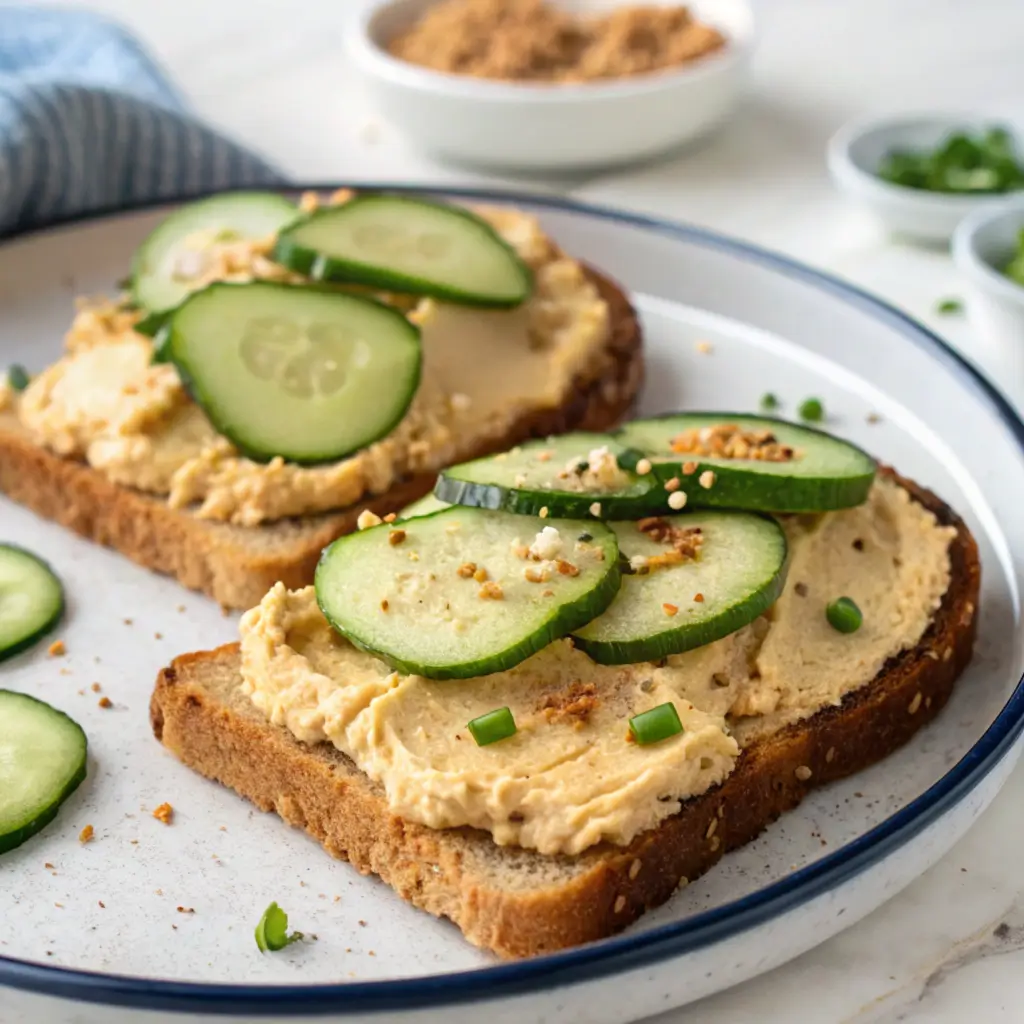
(236, 565)
(520, 903)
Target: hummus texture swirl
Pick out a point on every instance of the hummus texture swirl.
(569, 778)
(106, 403)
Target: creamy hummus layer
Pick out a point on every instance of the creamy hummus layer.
(569, 778)
(482, 370)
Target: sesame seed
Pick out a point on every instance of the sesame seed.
(947, 654)
(711, 828)
(595, 509)
(620, 905)
(396, 537)
(716, 841)
(915, 704)
(634, 870)
(384, 605)
(672, 485)
(706, 479)
(830, 755)
(677, 500)
(643, 467)
(927, 702)
(803, 773)
(543, 513)
(670, 609)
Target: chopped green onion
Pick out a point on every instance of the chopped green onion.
(811, 410)
(494, 726)
(949, 306)
(1014, 270)
(272, 931)
(984, 161)
(655, 725)
(151, 324)
(769, 401)
(844, 616)
(17, 377)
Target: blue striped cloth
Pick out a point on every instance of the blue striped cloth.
(89, 122)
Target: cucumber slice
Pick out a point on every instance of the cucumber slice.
(160, 276)
(426, 505)
(402, 244)
(825, 473)
(42, 762)
(417, 604)
(738, 573)
(31, 600)
(304, 373)
(574, 476)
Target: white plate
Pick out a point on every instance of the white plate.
(773, 326)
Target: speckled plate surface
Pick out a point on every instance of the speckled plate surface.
(148, 921)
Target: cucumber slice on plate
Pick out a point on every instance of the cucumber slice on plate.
(425, 506)
(401, 244)
(165, 265)
(465, 592)
(304, 373)
(696, 578)
(31, 600)
(575, 476)
(759, 463)
(42, 762)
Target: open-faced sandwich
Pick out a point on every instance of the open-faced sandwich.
(275, 368)
(541, 700)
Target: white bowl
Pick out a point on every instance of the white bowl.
(540, 127)
(856, 151)
(982, 245)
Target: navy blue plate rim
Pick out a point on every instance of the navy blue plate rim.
(632, 950)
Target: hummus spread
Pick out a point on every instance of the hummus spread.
(105, 402)
(569, 778)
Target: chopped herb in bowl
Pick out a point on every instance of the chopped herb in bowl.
(964, 162)
(1014, 270)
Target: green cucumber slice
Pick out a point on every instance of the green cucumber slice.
(162, 265)
(31, 600)
(417, 604)
(557, 474)
(308, 374)
(426, 506)
(738, 573)
(42, 762)
(826, 473)
(401, 244)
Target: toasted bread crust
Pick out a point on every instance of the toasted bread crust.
(236, 565)
(518, 903)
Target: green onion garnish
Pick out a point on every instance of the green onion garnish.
(811, 410)
(1014, 270)
(947, 307)
(769, 401)
(494, 726)
(843, 615)
(985, 161)
(17, 377)
(151, 323)
(272, 931)
(655, 725)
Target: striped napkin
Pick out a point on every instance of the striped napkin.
(89, 122)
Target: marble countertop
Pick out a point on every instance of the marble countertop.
(272, 73)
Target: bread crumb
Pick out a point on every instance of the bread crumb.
(706, 479)
(105, 702)
(704, 347)
(180, 608)
(56, 649)
(803, 773)
(158, 636)
(96, 687)
(643, 467)
(367, 519)
(103, 905)
(164, 813)
(677, 500)
(128, 622)
(48, 866)
(86, 835)
(186, 910)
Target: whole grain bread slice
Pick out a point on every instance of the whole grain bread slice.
(519, 903)
(236, 565)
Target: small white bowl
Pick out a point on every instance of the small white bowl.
(541, 127)
(855, 153)
(982, 245)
